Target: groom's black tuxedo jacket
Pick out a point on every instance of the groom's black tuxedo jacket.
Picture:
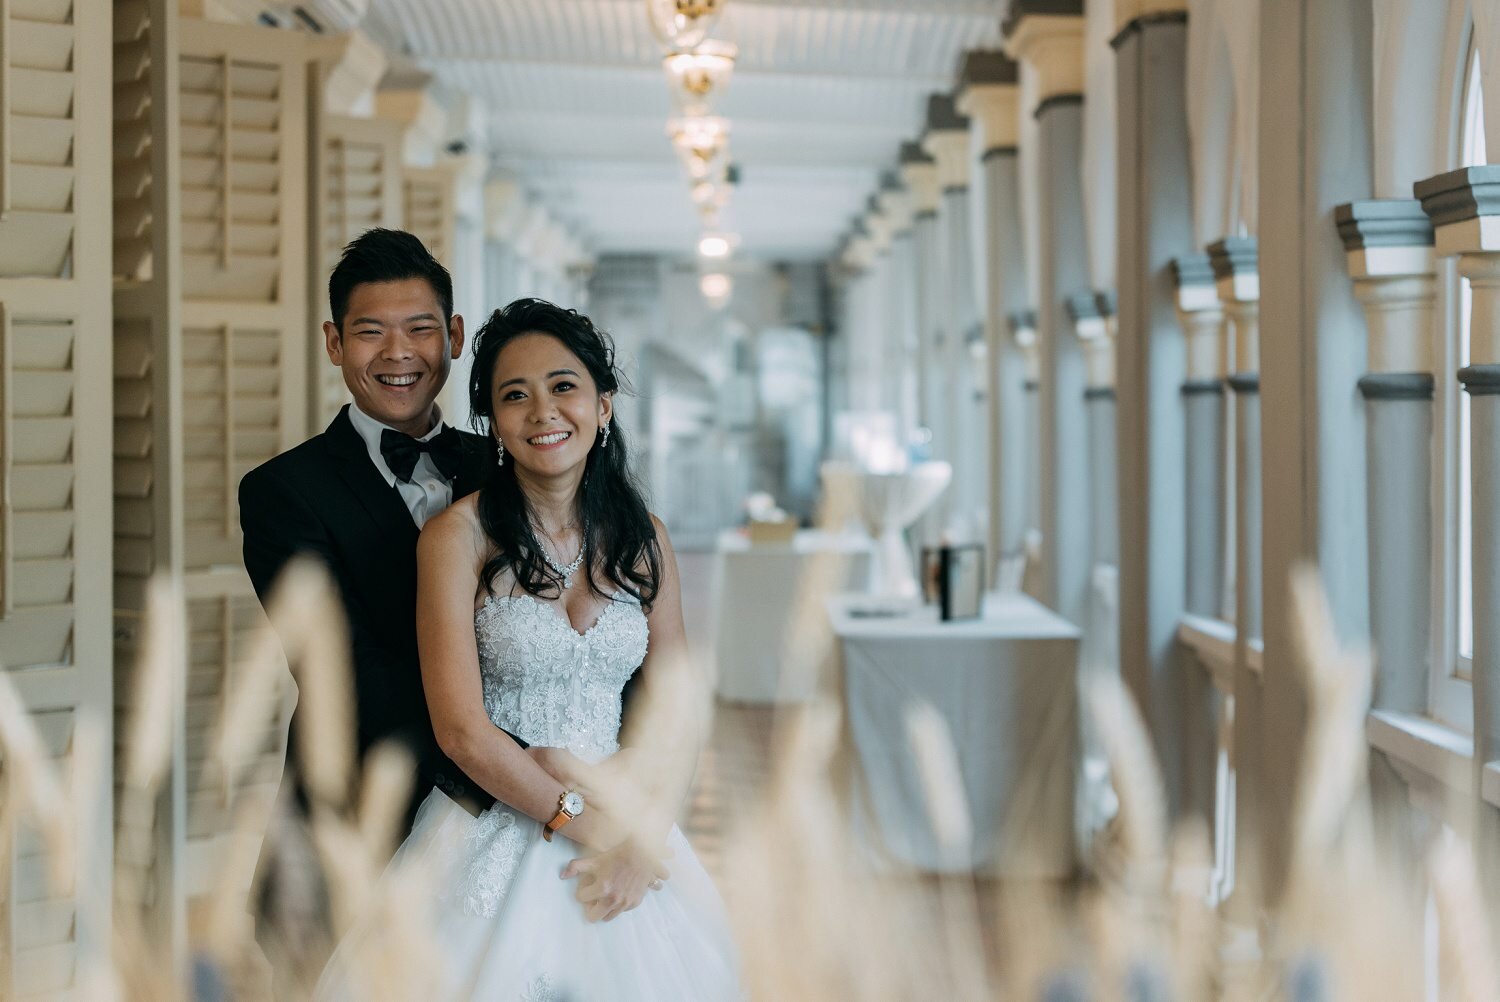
(326, 499)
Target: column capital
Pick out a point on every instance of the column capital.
(1022, 325)
(352, 65)
(920, 174)
(1047, 36)
(877, 225)
(947, 139)
(989, 93)
(895, 204)
(1084, 313)
(1385, 237)
(1193, 274)
(1464, 206)
(1236, 266)
(1201, 315)
(1133, 15)
(858, 252)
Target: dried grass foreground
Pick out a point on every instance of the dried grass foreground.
(811, 920)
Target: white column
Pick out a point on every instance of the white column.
(990, 95)
(1388, 248)
(947, 140)
(1049, 47)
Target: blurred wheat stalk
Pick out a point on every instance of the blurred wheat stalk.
(811, 920)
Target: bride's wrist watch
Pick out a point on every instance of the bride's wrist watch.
(569, 806)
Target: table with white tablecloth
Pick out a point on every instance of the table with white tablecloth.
(1005, 687)
(768, 601)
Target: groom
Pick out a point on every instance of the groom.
(356, 496)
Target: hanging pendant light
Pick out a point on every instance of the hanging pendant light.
(702, 143)
(699, 76)
(682, 24)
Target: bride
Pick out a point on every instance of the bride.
(539, 598)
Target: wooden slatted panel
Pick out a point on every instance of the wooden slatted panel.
(429, 209)
(37, 467)
(135, 480)
(132, 148)
(231, 116)
(231, 407)
(359, 187)
(210, 372)
(38, 118)
(219, 630)
(41, 916)
(55, 563)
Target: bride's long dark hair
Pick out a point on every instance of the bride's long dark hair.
(619, 538)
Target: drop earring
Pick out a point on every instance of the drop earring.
(604, 436)
(500, 458)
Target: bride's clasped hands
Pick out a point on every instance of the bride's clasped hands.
(617, 879)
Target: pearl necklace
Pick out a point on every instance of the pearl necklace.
(566, 573)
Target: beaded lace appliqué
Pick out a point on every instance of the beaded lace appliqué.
(494, 849)
(541, 990)
(550, 685)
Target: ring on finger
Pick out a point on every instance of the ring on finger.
(655, 885)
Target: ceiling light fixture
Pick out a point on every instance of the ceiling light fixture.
(698, 77)
(702, 143)
(715, 245)
(716, 287)
(682, 24)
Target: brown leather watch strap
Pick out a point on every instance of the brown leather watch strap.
(559, 819)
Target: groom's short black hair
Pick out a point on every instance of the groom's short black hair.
(382, 255)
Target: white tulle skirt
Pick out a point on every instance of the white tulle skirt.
(509, 928)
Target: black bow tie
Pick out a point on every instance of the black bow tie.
(402, 451)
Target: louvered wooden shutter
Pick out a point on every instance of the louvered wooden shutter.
(219, 631)
(55, 563)
(42, 917)
(358, 187)
(430, 210)
(210, 356)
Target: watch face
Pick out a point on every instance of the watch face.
(572, 802)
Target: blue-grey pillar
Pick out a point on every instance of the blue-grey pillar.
(1046, 37)
(947, 139)
(989, 94)
(1388, 245)
(1464, 206)
(1155, 226)
(1023, 335)
(896, 207)
(919, 173)
(1205, 428)
(1091, 316)
(1205, 502)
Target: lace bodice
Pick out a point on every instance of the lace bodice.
(550, 685)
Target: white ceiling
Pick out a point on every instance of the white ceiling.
(576, 103)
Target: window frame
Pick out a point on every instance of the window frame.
(1450, 689)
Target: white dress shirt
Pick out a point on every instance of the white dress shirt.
(429, 492)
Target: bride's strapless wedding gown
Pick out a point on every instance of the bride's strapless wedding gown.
(508, 927)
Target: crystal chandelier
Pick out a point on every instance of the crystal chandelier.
(699, 76)
(702, 143)
(682, 24)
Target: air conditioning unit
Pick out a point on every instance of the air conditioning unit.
(330, 17)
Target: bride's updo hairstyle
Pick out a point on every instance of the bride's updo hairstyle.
(619, 537)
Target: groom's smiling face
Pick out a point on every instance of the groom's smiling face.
(395, 350)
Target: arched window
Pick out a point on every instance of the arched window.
(1471, 151)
